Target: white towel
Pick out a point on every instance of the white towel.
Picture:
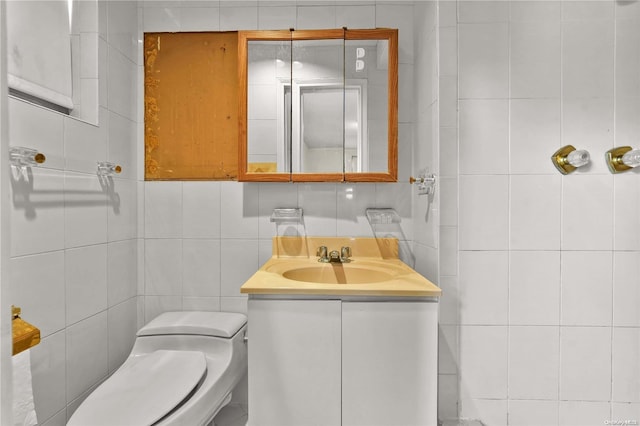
(24, 412)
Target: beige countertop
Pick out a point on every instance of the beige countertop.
(377, 274)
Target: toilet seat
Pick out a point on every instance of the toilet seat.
(143, 390)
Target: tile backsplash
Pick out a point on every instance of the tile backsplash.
(199, 253)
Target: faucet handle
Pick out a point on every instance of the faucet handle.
(345, 252)
(322, 251)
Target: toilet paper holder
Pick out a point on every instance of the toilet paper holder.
(25, 335)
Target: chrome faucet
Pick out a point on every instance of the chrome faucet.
(334, 256)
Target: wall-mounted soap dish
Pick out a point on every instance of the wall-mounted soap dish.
(382, 216)
(286, 215)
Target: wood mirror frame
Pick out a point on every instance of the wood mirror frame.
(391, 35)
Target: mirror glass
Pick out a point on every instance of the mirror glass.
(366, 70)
(269, 106)
(317, 106)
(321, 105)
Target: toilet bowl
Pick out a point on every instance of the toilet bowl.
(181, 371)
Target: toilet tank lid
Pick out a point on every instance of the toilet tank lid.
(218, 324)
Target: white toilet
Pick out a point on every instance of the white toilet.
(181, 371)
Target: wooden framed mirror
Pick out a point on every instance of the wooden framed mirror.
(318, 105)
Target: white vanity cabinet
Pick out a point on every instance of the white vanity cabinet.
(294, 362)
(389, 363)
(346, 361)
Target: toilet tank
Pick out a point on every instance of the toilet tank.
(215, 333)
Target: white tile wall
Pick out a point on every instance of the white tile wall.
(535, 58)
(492, 411)
(48, 369)
(535, 212)
(483, 60)
(221, 233)
(625, 410)
(121, 87)
(533, 413)
(239, 260)
(275, 196)
(122, 270)
(240, 211)
(484, 281)
(85, 218)
(534, 135)
(625, 369)
(575, 343)
(483, 361)
(533, 362)
(567, 73)
(65, 275)
(274, 18)
(534, 288)
(484, 136)
(41, 275)
(356, 16)
(238, 18)
(86, 281)
(488, 11)
(510, 53)
(626, 269)
(587, 123)
(587, 58)
(201, 268)
(163, 210)
(200, 19)
(87, 355)
(122, 326)
(626, 211)
(36, 229)
(201, 209)
(163, 267)
(593, 195)
(122, 210)
(583, 413)
(83, 144)
(587, 288)
(484, 212)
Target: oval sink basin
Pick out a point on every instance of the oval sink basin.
(337, 274)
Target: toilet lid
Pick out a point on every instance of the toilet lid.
(145, 389)
(219, 324)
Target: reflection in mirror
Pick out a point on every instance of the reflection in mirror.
(269, 68)
(52, 59)
(317, 107)
(324, 141)
(321, 105)
(368, 61)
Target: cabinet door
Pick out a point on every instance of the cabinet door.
(294, 362)
(389, 363)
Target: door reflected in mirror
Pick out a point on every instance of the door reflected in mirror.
(332, 127)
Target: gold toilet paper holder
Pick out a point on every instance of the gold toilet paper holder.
(25, 335)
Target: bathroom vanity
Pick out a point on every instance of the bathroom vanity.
(345, 349)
